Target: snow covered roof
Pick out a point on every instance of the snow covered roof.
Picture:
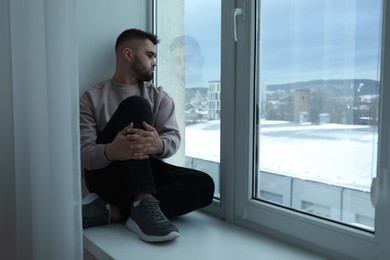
(342, 155)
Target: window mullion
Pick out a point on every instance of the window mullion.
(383, 204)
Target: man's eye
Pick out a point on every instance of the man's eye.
(151, 55)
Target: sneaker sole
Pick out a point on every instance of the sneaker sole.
(132, 226)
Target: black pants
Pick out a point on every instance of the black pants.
(180, 190)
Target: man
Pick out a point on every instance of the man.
(127, 127)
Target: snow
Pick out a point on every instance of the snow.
(203, 141)
(342, 155)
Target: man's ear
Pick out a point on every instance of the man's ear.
(128, 54)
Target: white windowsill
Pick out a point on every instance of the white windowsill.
(201, 237)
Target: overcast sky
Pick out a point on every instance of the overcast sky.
(203, 22)
(300, 39)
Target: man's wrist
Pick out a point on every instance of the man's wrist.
(106, 153)
(162, 147)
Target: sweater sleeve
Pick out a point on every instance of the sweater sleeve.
(167, 127)
(92, 154)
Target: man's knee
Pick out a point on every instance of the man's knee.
(136, 109)
(136, 102)
(206, 188)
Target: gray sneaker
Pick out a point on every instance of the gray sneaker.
(149, 223)
(95, 211)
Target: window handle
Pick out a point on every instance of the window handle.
(380, 187)
(237, 12)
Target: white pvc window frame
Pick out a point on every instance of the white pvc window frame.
(332, 239)
(236, 205)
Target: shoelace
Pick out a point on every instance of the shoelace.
(154, 211)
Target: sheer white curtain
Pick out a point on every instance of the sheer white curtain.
(41, 187)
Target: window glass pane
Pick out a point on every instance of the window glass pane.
(189, 63)
(318, 102)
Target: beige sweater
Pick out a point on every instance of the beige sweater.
(99, 103)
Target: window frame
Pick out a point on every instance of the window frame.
(236, 204)
(295, 227)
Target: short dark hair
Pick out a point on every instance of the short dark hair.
(135, 34)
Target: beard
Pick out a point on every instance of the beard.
(143, 72)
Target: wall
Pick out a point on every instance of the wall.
(99, 24)
(168, 28)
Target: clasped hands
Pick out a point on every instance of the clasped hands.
(134, 143)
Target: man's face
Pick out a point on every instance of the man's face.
(144, 61)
